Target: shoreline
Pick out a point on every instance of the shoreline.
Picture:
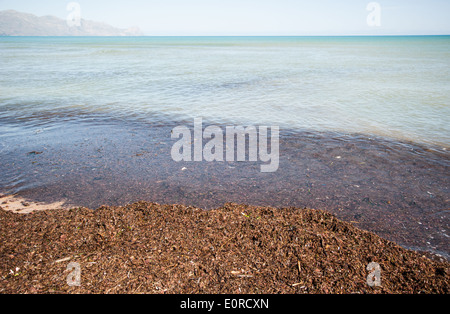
(173, 249)
(358, 173)
(399, 190)
(17, 205)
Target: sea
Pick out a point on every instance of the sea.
(364, 120)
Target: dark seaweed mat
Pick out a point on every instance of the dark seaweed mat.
(152, 248)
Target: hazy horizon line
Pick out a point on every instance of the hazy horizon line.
(146, 32)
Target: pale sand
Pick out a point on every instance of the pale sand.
(20, 205)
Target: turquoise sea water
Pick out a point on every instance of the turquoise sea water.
(398, 87)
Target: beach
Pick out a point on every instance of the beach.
(87, 158)
(398, 190)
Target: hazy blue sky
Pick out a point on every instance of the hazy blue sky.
(253, 17)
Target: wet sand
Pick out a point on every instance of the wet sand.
(18, 205)
(398, 190)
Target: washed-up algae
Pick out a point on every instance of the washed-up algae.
(173, 249)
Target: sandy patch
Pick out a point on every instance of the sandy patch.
(20, 205)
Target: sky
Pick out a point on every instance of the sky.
(256, 17)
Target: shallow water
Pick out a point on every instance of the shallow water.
(398, 190)
(397, 87)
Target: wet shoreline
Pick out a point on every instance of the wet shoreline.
(395, 189)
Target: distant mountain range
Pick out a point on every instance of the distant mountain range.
(13, 23)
